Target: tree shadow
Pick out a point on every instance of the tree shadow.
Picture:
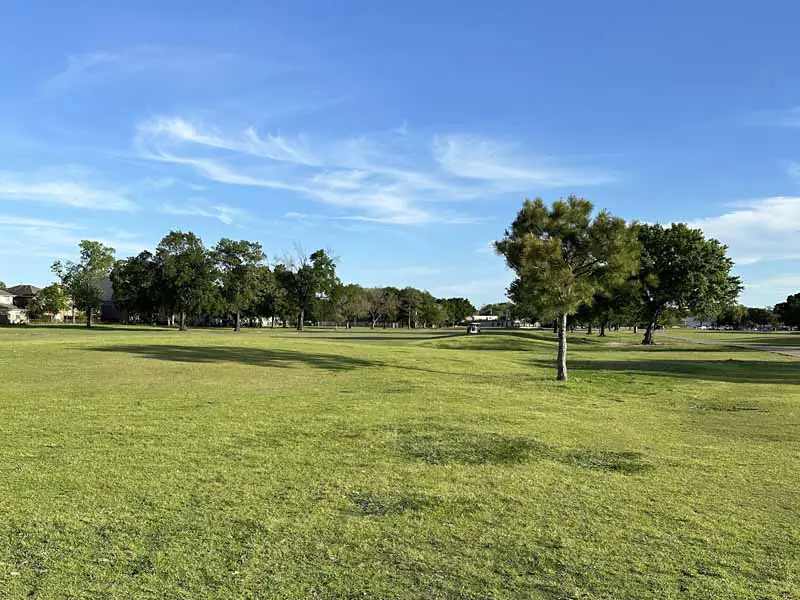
(259, 357)
(79, 327)
(730, 370)
(380, 337)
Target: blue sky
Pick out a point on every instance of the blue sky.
(404, 136)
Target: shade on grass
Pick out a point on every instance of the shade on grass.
(140, 463)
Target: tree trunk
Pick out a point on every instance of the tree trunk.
(602, 330)
(182, 320)
(635, 329)
(89, 317)
(555, 325)
(272, 325)
(301, 320)
(648, 334)
(562, 348)
(237, 323)
(589, 329)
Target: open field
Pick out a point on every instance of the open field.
(779, 339)
(143, 463)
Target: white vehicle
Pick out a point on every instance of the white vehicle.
(473, 329)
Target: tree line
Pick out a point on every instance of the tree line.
(184, 279)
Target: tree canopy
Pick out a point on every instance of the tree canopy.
(83, 280)
(789, 312)
(682, 270)
(562, 255)
(187, 274)
(237, 264)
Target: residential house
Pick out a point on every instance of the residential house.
(24, 294)
(9, 313)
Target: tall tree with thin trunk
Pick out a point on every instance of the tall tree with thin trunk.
(305, 279)
(351, 303)
(187, 274)
(83, 280)
(379, 304)
(238, 265)
(562, 256)
(682, 271)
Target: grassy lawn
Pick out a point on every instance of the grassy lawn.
(779, 339)
(144, 463)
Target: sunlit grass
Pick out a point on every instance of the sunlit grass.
(144, 463)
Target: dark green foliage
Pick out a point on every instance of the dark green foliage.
(138, 286)
(305, 279)
(682, 270)
(562, 256)
(238, 265)
(83, 280)
(789, 312)
(49, 301)
(188, 275)
(456, 310)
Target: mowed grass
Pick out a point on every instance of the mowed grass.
(140, 463)
(778, 339)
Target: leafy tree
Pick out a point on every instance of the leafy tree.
(136, 282)
(410, 302)
(732, 315)
(562, 256)
(188, 274)
(305, 278)
(270, 296)
(238, 266)
(380, 302)
(83, 280)
(2, 284)
(351, 302)
(430, 311)
(457, 310)
(683, 270)
(789, 312)
(761, 317)
(50, 300)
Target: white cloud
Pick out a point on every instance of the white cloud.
(505, 165)
(13, 221)
(768, 291)
(57, 240)
(382, 178)
(64, 191)
(199, 207)
(764, 230)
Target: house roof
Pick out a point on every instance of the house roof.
(24, 290)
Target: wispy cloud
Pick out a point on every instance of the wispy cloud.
(57, 240)
(10, 221)
(507, 166)
(391, 177)
(96, 68)
(68, 190)
(200, 207)
(763, 230)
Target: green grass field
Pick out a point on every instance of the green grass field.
(144, 463)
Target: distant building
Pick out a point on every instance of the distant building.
(493, 322)
(23, 294)
(10, 314)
